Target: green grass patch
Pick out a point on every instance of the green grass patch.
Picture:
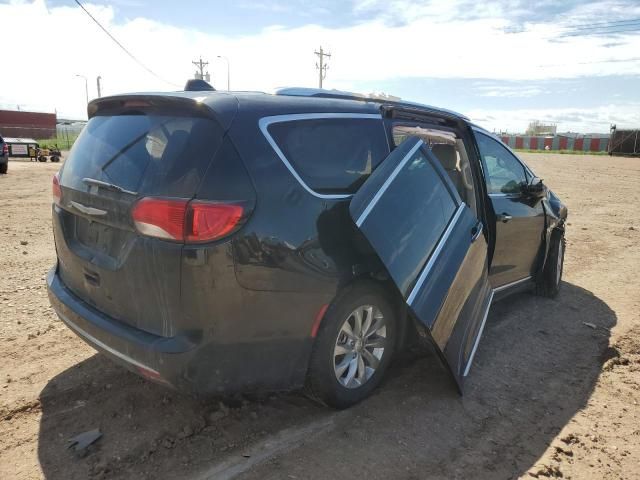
(64, 142)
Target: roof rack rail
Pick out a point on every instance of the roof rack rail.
(372, 97)
(321, 92)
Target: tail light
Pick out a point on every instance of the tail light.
(186, 221)
(160, 218)
(56, 190)
(5, 149)
(206, 221)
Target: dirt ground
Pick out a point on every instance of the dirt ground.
(554, 391)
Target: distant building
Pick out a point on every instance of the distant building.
(593, 142)
(19, 124)
(537, 128)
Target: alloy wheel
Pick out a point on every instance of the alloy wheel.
(360, 346)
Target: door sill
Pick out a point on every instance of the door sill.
(510, 285)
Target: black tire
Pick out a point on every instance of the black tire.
(551, 278)
(55, 159)
(3, 168)
(42, 158)
(322, 382)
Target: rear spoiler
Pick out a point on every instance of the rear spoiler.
(149, 103)
(219, 106)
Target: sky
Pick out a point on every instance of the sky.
(503, 63)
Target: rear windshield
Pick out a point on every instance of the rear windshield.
(147, 154)
(332, 155)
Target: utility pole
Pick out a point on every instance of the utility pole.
(322, 67)
(99, 86)
(226, 59)
(86, 87)
(200, 75)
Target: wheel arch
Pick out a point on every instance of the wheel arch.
(380, 281)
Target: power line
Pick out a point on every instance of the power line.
(613, 60)
(599, 28)
(630, 26)
(592, 62)
(604, 24)
(131, 55)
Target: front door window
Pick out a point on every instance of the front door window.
(504, 173)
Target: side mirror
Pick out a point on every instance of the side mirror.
(535, 188)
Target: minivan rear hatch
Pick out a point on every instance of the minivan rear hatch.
(128, 150)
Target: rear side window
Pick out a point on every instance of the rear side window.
(148, 154)
(332, 155)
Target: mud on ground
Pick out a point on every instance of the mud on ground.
(554, 391)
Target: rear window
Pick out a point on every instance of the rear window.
(148, 154)
(332, 155)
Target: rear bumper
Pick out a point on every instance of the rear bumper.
(186, 362)
(157, 358)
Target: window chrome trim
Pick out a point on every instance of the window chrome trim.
(436, 253)
(265, 122)
(512, 284)
(485, 316)
(503, 195)
(363, 216)
(477, 341)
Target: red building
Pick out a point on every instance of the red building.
(19, 124)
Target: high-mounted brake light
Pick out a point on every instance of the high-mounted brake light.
(186, 221)
(56, 190)
(136, 104)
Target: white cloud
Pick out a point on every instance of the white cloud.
(592, 120)
(431, 42)
(509, 91)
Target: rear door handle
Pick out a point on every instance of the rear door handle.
(476, 232)
(504, 217)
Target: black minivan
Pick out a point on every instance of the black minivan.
(235, 242)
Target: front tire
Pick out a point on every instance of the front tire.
(549, 284)
(353, 347)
